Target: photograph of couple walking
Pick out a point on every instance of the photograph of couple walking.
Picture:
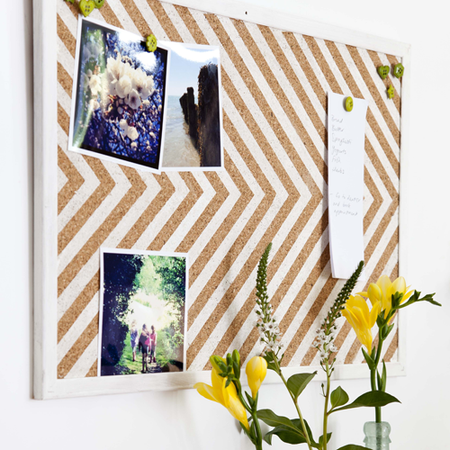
(142, 322)
(145, 341)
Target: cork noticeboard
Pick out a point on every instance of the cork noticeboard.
(276, 71)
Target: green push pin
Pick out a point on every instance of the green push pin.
(383, 71)
(391, 92)
(86, 7)
(150, 43)
(69, 1)
(99, 3)
(348, 104)
(399, 70)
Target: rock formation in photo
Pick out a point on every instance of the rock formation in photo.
(209, 116)
(204, 119)
(187, 102)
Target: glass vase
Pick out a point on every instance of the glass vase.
(377, 435)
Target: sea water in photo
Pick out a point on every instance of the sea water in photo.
(120, 95)
(179, 150)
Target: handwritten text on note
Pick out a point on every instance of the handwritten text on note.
(345, 183)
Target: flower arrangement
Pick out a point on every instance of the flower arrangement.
(386, 298)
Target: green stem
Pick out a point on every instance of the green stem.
(373, 375)
(325, 409)
(258, 444)
(305, 431)
(253, 413)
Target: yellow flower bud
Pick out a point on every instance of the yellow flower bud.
(256, 372)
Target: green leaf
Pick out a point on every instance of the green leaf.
(370, 399)
(249, 435)
(338, 397)
(369, 359)
(273, 420)
(416, 298)
(286, 435)
(297, 383)
(297, 423)
(250, 400)
(383, 377)
(352, 447)
(269, 357)
(321, 439)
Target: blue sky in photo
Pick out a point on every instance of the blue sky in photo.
(185, 64)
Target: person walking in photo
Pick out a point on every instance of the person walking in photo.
(143, 346)
(153, 339)
(134, 338)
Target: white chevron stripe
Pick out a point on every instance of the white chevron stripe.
(178, 23)
(217, 220)
(122, 185)
(224, 247)
(123, 17)
(368, 96)
(165, 213)
(259, 116)
(379, 83)
(76, 330)
(312, 62)
(288, 90)
(64, 100)
(194, 213)
(151, 19)
(303, 79)
(369, 132)
(395, 81)
(67, 17)
(308, 302)
(76, 286)
(62, 179)
(91, 182)
(65, 58)
(382, 209)
(271, 100)
(87, 359)
(279, 277)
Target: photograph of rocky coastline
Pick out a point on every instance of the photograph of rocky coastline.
(193, 121)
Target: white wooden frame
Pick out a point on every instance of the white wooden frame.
(46, 384)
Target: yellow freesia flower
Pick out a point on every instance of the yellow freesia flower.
(225, 396)
(361, 319)
(256, 371)
(383, 290)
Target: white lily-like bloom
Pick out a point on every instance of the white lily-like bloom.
(95, 84)
(133, 100)
(132, 133)
(124, 86)
(123, 125)
(142, 83)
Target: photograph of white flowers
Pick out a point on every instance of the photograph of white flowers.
(193, 125)
(119, 102)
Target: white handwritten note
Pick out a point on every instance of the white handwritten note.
(345, 183)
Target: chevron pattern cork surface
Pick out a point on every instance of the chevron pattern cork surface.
(273, 189)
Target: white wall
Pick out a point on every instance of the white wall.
(184, 420)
